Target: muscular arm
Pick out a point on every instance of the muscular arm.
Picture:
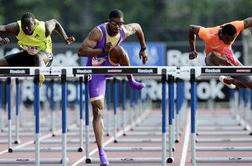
(193, 33)
(135, 28)
(11, 28)
(54, 25)
(247, 22)
(87, 46)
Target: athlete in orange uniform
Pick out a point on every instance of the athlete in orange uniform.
(218, 42)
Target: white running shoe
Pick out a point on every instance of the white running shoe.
(223, 80)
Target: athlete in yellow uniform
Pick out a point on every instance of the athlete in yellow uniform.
(34, 38)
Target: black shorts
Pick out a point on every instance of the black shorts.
(24, 59)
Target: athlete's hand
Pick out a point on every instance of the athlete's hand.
(193, 55)
(4, 41)
(143, 56)
(69, 40)
(107, 48)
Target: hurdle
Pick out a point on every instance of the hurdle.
(1, 107)
(198, 72)
(115, 86)
(17, 118)
(107, 107)
(87, 156)
(28, 72)
(162, 72)
(124, 71)
(179, 102)
(8, 94)
(171, 118)
(80, 141)
(123, 106)
(52, 108)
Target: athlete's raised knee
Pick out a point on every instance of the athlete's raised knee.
(119, 55)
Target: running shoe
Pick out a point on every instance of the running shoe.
(103, 158)
(135, 84)
(224, 80)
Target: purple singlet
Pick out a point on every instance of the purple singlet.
(97, 83)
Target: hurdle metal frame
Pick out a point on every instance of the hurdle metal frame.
(186, 73)
(198, 72)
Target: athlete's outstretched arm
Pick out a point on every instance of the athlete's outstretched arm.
(54, 25)
(193, 33)
(135, 28)
(11, 28)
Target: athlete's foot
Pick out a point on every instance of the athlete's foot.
(41, 80)
(135, 84)
(103, 158)
(226, 81)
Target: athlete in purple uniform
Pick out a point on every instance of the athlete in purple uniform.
(102, 47)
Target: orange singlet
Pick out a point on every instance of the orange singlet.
(212, 41)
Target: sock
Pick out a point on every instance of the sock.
(103, 157)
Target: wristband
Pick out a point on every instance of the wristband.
(143, 49)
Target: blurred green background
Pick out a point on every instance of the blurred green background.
(162, 20)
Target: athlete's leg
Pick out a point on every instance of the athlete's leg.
(249, 84)
(229, 81)
(119, 56)
(215, 59)
(97, 86)
(21, 58)
(97, 108)
(42, 59)
(3, 62)
(245, 80)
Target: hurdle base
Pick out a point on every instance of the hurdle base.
(170, 160)
(88, 160)
(17, 142)
(80, 149)
(10, 150)
(223, 159)
(31, 161)
(128, 160)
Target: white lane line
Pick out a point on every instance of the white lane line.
(128, 127)
(186, 139)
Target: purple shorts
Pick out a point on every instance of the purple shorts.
(97, 83)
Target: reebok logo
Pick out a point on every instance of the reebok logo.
(36, 36)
